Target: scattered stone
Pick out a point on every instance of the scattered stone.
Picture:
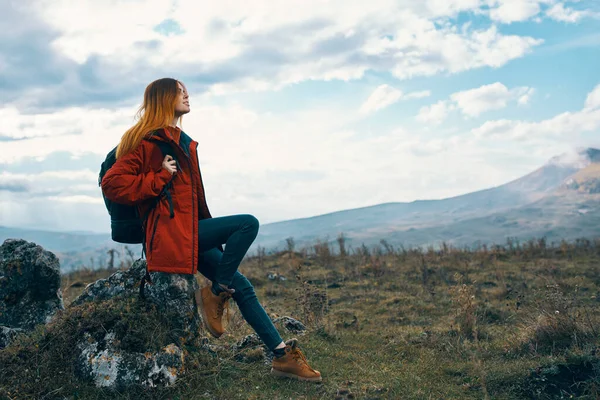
(291, 324)
(211, 348)
(249, 341)
(276, 277)
(7, 335)
(251, 349)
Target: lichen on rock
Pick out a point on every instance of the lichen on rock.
(110, 367)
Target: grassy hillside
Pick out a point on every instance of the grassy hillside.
(512, 322)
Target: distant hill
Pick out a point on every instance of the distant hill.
(561, 199)
(58, 241)
(74, 249)
(533, 205)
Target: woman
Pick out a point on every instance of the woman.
(181, 235)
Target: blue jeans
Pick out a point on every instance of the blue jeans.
(236, 232)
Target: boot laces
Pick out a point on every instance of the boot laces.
(299, 356)
(223, 306)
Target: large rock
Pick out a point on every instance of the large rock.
(170, 293)
(110, 359)
(30, 291)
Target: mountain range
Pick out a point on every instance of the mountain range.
(559, 200)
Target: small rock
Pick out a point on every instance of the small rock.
(7, 335)
(291, 324)
(276, 277)
(249, 341)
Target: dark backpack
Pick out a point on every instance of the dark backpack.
(126, 225)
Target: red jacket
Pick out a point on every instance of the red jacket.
(138, 177)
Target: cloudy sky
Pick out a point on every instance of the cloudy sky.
(300, 107)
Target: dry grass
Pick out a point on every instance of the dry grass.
(414, 324)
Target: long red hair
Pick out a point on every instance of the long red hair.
(156, 112)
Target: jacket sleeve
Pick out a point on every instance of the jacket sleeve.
(125, 183)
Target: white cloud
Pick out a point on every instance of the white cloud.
(494, 96)
(571, 158)
(83, 175)
(418, 95)
(558, 127)
(435, 113)
(262, 45)
(592, 100)
(495, 128)
(526, 96)
(77, 199)
(449, 50)
(474, 102)
(382, 97)
(386, 95)
(453, 7)
(75, 129)
(562, 127)
(559, 12)
(507, 11)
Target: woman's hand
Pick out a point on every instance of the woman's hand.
(170, 164)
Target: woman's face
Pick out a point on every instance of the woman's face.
(182, 104)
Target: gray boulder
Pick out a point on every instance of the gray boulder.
(170, 293)
(30, 291)
(104, 357)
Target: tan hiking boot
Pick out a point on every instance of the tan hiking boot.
(294, 364)
(212, 308)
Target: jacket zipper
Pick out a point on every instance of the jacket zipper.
(153, 232)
